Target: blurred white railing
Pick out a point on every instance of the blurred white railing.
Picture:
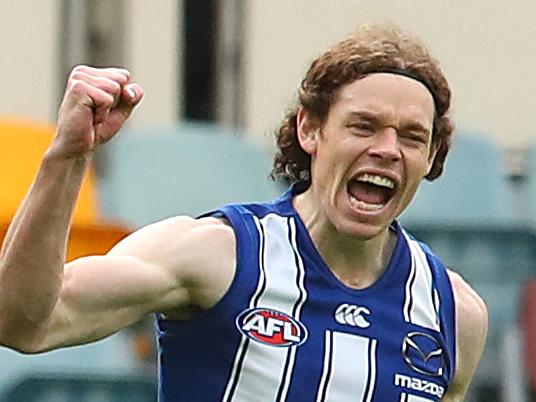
(513, 377)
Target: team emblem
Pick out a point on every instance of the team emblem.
(271, 327)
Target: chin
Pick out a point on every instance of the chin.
(360, 224)
(360, 230)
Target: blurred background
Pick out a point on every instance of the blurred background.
(218, 77)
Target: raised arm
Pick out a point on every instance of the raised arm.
(41, 305)
(96, 104)
(165, 267)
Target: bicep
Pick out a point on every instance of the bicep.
(102, 294)
(161, 267)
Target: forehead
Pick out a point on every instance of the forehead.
(387, 93)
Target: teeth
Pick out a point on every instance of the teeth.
(377, 180)
(365, 206)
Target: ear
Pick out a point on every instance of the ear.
(308, 132)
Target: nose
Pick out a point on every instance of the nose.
(385, 145)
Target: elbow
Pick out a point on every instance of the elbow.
(21, 341)
(22, 346)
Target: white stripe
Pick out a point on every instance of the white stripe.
(301, 270)
(402, 397)
(407, 302)
(241, 347)
(263, 366)
(437, 305)
(372, 373)
(303, 296)
(350, 369)
(262, 274)
(415, 398)
(256, 294)
(423, 310)
(327, 362)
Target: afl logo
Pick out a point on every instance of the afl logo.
(271, 327)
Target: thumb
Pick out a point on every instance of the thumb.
(131, 95)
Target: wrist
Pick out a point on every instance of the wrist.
(54, 153)
(60, 161)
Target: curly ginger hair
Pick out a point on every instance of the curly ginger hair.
(370, 49)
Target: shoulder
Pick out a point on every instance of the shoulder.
(177, 232)
(471, 310)
(199, 253)
(471, 330)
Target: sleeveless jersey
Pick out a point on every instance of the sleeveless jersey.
(288, 330)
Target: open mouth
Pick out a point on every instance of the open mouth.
(370, 192)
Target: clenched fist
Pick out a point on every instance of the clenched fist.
(96, 104)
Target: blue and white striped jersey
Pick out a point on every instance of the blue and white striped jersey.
(289, 330)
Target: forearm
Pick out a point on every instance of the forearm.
(33, 253)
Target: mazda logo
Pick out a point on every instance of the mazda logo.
(423, 354)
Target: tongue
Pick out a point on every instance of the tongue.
(366, 192)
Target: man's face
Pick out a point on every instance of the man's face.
(372, 152)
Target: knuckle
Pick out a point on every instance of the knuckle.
(79, 68)
(114, 85)
(120, 70)
(120, 75)
(78, 87)
(110, 86)
(78, 75)
(108, 100)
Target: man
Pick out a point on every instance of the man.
(318, 296)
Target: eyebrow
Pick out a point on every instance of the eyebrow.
(416, 126)
(376, 118)
(365, 114)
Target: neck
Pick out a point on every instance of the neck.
(356, 262)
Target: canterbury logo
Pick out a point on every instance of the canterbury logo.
(349, 314)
